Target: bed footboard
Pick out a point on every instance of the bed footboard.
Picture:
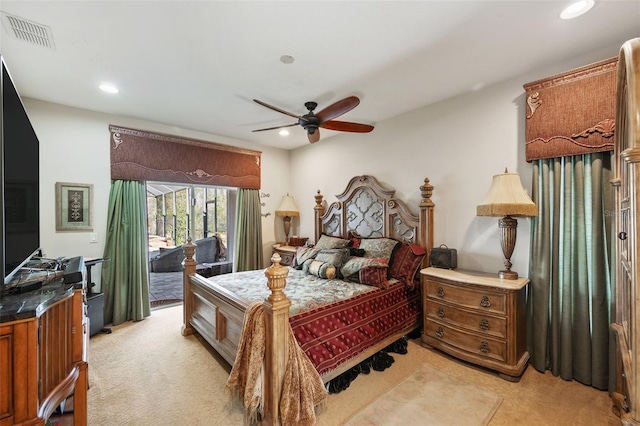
(217, 315)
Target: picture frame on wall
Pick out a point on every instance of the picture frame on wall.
(74, 206)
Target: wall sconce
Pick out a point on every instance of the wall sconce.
(287, 209)
(507, 198)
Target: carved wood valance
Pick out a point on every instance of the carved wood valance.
(141, 155)
(571, 113)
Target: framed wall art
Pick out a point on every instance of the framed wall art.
(74, 206)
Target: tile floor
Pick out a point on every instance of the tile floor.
(165, 286)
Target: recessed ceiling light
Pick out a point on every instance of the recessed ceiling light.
(576, 9)
(283, 132)
(109, 88)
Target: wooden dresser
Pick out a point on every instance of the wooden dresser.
(476, 317)
(43, 354)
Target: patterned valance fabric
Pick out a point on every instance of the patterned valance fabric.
(141, 155)
(571, 113)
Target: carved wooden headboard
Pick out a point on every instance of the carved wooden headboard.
(370, 210)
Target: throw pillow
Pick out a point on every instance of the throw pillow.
(406, 262)
(328, 242)
(319, 269)
(303, 254)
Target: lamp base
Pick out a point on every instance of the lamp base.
(508, 275)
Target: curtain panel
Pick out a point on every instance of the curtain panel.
(570, 305)
(141, 155)
(248, 237)
(125, 278)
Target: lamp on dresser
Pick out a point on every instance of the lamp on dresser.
(287, 209)
(507, 198)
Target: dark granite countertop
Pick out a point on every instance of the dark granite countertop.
(20, 306)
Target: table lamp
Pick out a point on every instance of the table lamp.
(287, 209)
(507, 198)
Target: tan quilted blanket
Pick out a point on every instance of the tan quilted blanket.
(302, 390)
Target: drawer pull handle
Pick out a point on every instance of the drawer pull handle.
(484, 324)
(485, 302)
(484, 347)
(440, 292)
(441, 312)
(440, 332)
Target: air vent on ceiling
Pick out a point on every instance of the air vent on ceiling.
(28, 31)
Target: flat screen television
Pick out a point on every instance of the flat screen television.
(19, 201)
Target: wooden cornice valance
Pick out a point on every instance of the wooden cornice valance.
(571, 113)
(141, 155)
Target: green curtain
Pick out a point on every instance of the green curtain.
(248, 238)
(569, 307)
(125, 281)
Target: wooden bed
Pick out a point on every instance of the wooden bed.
(217, 314)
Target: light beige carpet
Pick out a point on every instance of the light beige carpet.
(430, 397)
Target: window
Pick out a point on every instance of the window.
(175, 212)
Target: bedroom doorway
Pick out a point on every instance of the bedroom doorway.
(176, 212)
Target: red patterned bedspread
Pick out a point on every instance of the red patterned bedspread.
(333, 320)
(334, 333)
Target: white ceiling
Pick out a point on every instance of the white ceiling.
(198, 64)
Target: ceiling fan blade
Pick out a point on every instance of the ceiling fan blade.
(346, 126)
(276, 127)
(314, 137)
(338, 108)
(290, 114)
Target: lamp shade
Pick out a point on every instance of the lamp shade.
(287, 207)
(507, 197)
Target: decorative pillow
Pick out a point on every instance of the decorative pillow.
(374, 276)
(337, 257)
(355, 264)
(329, 242)
(355, 239)
(356, 251)
(406, 262)
(319, 269)
(303, 254)
(366, 271)
(378, 247)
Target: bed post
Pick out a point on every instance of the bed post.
(189, 269)
(318, 210)
(276, 311)
(426, 220)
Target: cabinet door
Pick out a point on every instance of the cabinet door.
(6, 394)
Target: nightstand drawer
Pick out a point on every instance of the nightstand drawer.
(287, 253)
(472, 298)
(477, 322)
(472, 343)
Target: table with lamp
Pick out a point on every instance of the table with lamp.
(288, 209)
(477, 316)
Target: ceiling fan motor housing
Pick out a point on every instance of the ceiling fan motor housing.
(311, 122)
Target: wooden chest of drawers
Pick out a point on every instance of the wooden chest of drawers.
(476, 317)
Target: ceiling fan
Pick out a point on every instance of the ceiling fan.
(311, 121)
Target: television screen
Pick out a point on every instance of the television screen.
(20, 180)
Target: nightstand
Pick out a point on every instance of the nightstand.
(287, 253)
(477, 317)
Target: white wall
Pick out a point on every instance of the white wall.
(75, 147)
(459, 144)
